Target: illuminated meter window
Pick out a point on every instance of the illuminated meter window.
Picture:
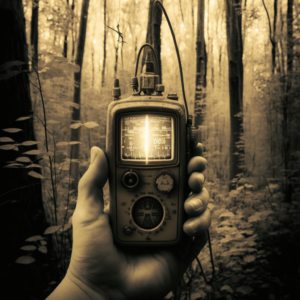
(147, 138)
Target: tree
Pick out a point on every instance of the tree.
(235, 66)
(104, 44)
(201, 68)
(21, 212)
(75, 133)
(287, 103)
(154, 38)
(34, 34)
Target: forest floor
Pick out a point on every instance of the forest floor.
(255, 239)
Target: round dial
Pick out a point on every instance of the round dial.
(164, 183)
(147, 213)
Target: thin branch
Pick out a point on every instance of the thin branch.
(19, 188)
(270, 31)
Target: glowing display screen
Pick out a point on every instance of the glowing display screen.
(147, 137)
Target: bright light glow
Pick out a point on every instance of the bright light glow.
(256, 29)
(146, 138)
(95, 41)
(182, 25)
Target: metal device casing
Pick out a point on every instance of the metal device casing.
(169, 232)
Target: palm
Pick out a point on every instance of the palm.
(131, 274)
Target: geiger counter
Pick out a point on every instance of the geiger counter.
(148, 142)
(147, 150)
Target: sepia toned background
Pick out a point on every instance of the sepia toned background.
(240, 59)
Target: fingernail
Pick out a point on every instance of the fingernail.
(196, 204)
(94, 154)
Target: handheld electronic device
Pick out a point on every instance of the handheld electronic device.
(148, 147)
(148, 142)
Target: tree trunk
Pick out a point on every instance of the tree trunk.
(21, 207)
(75, 133)
(201, 68)
(287, 104)
(154, 39)
(235, 61)
(104, 45)
(73, 31)
(34, 32)
(65, 51)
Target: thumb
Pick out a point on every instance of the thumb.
(90, 195)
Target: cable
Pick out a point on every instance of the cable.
(212, 262)
(177, 51)
(156, 60)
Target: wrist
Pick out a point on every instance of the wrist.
(74, 289)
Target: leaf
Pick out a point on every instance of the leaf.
(249, 258)
(30, 143)
(74, 143)
(6, 140)
(23, 159)
(227, 214)
(34, 238)
(24, 118)
(43, 243)
(25, 260)
(7, 147)
(226, 288)
(52, 122)
(43, 249)
(75, 105)
(66, 227)
(74, 160)
(34, 166)
(62, 144)
(254, 218)
(76, 125)
(33, 152)
(28, 248)
(10, 74)
(12, 130)
(36, 175)
(198, 295)
(51, 229)
(7, 65)
(91, 124)
(245, 289)
(14, 165)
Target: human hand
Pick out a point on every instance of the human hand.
(104, 271)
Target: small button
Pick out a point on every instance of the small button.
(127, 230)
(174, 211)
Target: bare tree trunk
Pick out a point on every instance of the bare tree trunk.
(104, 45)
(34, 35)
(73, 31)
(154, 39)
(201, 69)
(21, 207)
(235, 60)
(65, 51)
(75, 133)
(287, 103)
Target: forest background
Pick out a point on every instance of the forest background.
(241, 70)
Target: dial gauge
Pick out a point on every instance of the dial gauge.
(164, 183)
(147, 213)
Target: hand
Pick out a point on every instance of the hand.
(102, 270)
